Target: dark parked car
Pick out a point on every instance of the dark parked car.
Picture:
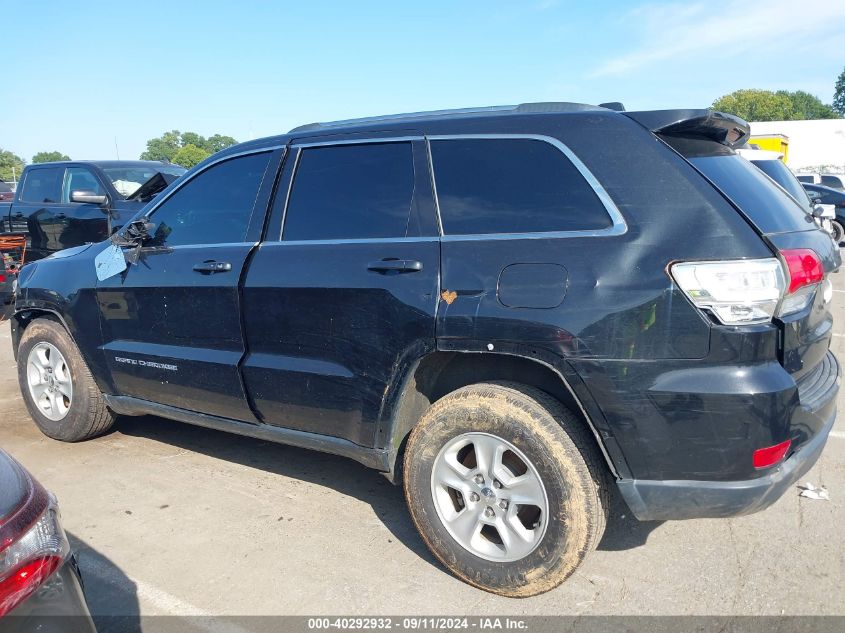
(508, 311)
(831, 196)
(65, 204)
(6, 192)
(7, 280)
(40, 586)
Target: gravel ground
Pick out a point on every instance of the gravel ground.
(172, 519)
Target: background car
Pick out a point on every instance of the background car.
(771, 164)
(39, 578)
(826, 180)
(6, 281)
(834, 197)
(6, 191)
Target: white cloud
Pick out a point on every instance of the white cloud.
(675, 33)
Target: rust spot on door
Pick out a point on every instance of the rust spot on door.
(449, 296)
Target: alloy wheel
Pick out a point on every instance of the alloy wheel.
(49, 379)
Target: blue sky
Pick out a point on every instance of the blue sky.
(85, 73)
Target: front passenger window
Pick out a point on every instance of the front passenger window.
(214, 207)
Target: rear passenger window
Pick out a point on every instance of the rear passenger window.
(511, 186)
(351, 192)
(43, 185)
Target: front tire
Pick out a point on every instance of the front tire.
(506, 487)
(57, 386)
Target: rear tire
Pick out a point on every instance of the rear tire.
(57, 386)
(838, 231)
(479, 531)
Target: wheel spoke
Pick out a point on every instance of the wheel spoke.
(34, 375)
(516, 540)
(38, 391)
(525, 490)
(488, 454)
(51, 397)
(65, 389)
(466, 525)
(447, 474)
(41, 357)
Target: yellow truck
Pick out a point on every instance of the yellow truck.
(772, 142)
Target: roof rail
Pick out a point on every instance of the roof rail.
(541, 107)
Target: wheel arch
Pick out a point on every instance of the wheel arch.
(22, 318)
(442, 372)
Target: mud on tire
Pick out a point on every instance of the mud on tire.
(86, 413)
(560, 450)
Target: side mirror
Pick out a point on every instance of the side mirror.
(824, 211)
(88, 197)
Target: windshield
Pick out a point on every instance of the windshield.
(780, 173)
(127, 180)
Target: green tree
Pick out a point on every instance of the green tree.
(11, 165)
(170, 143)
(190, 155)
(164, 147)
(807, 106)
(192, 138)
(46, 157)
(765, 105)
(217, 142)
(839, 94)
(756, 105)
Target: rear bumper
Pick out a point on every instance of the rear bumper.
(669, 500)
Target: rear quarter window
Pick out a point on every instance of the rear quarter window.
(762, 201)
(487, 186)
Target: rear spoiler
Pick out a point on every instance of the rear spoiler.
(726, 129)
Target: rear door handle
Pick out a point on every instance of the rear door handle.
(395, 265)
(209, 267)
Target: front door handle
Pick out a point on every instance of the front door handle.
(210, 267)
(395, 265)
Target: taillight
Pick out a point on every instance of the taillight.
(804, 267)
(32, 546)
(747, 291)
(736, 292)
(15, 588)
(2, 279)
(805, 272)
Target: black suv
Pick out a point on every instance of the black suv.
(508, 310)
